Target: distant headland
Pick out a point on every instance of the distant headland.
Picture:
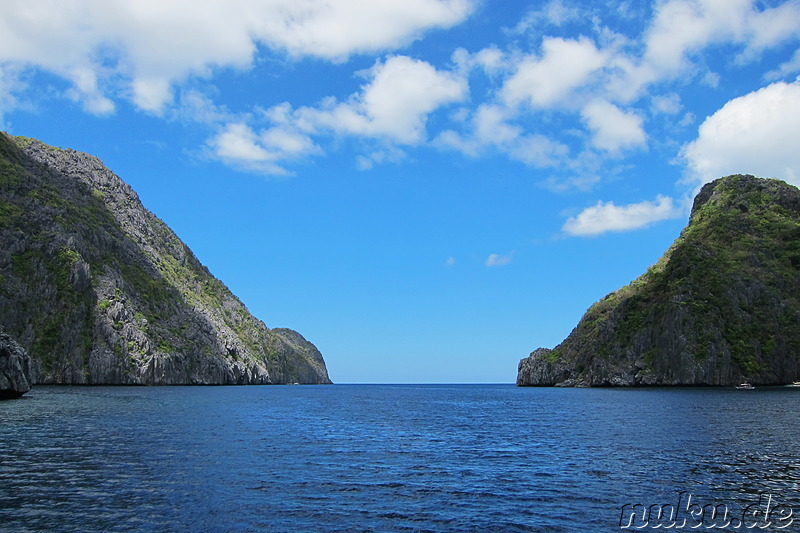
(722, 306)
(98, 290)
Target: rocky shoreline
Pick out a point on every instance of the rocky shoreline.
(15, 369)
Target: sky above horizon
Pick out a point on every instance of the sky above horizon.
(427, 190)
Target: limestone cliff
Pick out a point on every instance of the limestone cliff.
(15, 369)
(98, 290)
(720, 307)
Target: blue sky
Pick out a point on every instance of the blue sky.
(428, 190)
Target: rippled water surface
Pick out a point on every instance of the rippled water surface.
(385, 457)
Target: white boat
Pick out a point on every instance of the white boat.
(794, 384)
(745, 386)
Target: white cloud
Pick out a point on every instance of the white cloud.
(613, 129)
(785, 69)
(754, 134)
(565, 65)
(450, 139)
(384, 154)
(491, 127)
(9, 85)
(683, 26)
(335, 29)
(400, 93)
(687, 119)
(580, 181)
(240, 146)
(109, 48)
(194, 106)
(772, 26)
(393, 106)
(681, 29)
(606, 217)
(151, 93)
(668, 104)
(495, 260)
(237, 142)
(490, 60)
(539, 151)
(86, 89)
(554, 13)
(711, 79)
(558, 14)
(571, 97)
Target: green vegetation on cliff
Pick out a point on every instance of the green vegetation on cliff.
(99, 290)
(721, 306)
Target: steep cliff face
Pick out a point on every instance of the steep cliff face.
(15, 369)
(720, 307)
(98, 290)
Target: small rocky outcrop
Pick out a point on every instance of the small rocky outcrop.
(720, 307)
(15, 369)
(100, 291)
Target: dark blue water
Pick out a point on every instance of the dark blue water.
(384, 457)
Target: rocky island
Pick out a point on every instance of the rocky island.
(98, 290)
(720, 307)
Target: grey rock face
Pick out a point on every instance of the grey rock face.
(720, 307)
(15, 369)
(100, 291)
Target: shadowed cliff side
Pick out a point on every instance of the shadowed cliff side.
(720, 307)
(15, 369)
(98, 290)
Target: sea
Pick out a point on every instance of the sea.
(399, 458)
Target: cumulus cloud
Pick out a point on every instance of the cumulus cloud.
(394, 105)
(613, 129)
(547, 106)
(87, 90)
(495, 260)
(392, 108)
(682, 26)
(338, 28)
(755, 134)
(490, 60)
(549, 79)
(106, 48)
(238, 145)
(771, 26)
(607, 217)
(681, 29)
(491, 127)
